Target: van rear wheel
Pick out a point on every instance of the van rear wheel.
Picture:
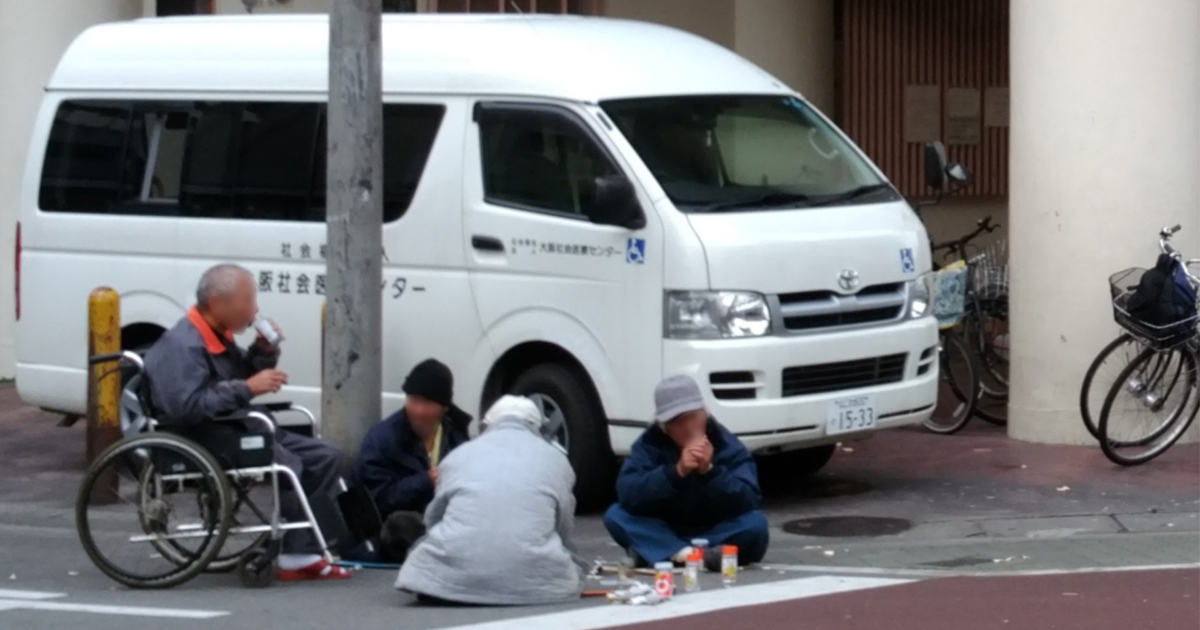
(578, 424)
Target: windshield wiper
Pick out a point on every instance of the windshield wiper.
(853, 193)
(774, 199)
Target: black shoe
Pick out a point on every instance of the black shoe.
(638, 561)
(400, 532)
(712, 559)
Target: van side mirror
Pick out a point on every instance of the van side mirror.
(614, 202)
(958, 174)
(935, 165)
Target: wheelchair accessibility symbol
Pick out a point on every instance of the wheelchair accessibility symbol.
(906, 260)
(635, 251)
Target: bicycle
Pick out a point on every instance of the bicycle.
(1111, 361)
(986, 319)
(1163, 376)
(957, 369)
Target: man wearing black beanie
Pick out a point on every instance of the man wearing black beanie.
(398, 461)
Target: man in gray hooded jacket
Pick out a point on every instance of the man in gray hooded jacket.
(501, 519)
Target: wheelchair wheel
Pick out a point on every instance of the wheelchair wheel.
(256, 568)
(153, 511)
(245, 513)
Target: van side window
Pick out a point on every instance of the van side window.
(208, 158)
(540, 160)
(85, 157)
(275, 160)
(408, 134)
(233, 160)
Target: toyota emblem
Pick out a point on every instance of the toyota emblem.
(848, 279)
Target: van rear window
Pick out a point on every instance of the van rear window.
(233, 160)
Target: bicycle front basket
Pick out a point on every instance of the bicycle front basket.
(949, 294)
(1122, 286)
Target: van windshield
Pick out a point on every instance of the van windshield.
(736, 153)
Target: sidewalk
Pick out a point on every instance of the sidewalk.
(977, 502)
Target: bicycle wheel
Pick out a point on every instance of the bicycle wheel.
(1101, 376)
(1153, 402)
(958, 390)
(987, 333)
(128, 499)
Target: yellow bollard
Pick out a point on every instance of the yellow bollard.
(104, 384)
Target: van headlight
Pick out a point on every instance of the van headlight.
(920, 293)
(716, 315)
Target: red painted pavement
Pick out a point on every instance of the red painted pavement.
(1130, 600)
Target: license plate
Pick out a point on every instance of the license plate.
(848, 415)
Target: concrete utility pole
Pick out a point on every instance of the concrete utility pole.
(352, 382)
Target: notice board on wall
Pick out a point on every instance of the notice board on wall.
(921, 70)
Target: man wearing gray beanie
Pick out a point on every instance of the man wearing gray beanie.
(687, 477)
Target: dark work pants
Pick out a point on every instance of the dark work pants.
(318, 465)
(656, 540)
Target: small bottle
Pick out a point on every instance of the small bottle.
(701, 545)
(664, 579)
(729, 565)
(267, 330)
(691, 571)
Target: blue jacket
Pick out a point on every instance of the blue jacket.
(650, 486)
(394, 467)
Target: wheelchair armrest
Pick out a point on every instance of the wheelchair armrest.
(283, 407)
(256, 417)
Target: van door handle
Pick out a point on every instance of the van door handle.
(487, 244)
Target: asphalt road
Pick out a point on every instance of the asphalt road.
(52, 586)
(974, 503)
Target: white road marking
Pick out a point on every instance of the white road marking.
(132, 611)
(934, 573)
(36, 600)
(10, 594)
(688, 604)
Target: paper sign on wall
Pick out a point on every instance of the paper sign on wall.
(995, 107)
(963, 115)
(922, 113)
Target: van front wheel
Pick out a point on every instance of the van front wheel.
(578, 424)
(798, 464)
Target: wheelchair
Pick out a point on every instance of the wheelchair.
(168, 502)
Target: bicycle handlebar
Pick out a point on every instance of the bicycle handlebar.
(1164, 241)
(957, 246)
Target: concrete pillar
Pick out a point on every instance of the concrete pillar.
(793, 40)
(33, 35)
(1105, 150)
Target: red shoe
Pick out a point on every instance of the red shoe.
(321, 570)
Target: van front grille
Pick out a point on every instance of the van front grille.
(835, 377)
(814, 310)
(842, 319)
(733, 385)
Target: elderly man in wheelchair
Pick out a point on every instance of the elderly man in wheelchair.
(197, 453)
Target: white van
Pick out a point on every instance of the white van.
(574, 208)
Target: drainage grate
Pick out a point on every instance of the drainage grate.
(847, 526)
